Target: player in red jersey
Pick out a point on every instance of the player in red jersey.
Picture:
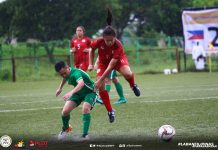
(111, 56)
(80, 46)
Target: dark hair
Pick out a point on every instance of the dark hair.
(59, 65)
(82, 28)
(108, 30)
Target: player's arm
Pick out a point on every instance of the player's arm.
(80, 84)
(59, 90)
(110, 67)
(72, 47)
(91, 59)
(73, 50)
(86, 50)
(96, 64)
(88, 46)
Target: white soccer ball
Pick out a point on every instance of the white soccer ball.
(166, 132)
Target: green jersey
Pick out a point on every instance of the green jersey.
(75, 76)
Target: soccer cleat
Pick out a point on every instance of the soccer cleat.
(84, 137)
(111, 116)
(136, 90)
(99, 101)
(62, 135)
(121, 101)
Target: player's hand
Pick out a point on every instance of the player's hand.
(72, 50)
(95, 67)
(97, 85)
(58, 92)
(90, 68)
(86, 50)
(67, 96)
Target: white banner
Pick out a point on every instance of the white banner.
(201, 26)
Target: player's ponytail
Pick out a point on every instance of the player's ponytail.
(109, 31)
(109, 17)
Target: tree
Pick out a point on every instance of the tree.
(166, 16)
(6, 14)
(125, 12)
(204, 3)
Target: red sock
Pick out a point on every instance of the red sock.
(106, 100)
(131, 80)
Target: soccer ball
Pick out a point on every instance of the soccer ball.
(166, 132)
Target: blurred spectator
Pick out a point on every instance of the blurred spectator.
(199, 56)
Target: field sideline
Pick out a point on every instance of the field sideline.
(187, 101)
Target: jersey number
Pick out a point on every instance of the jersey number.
(78, 45)
(214, 42)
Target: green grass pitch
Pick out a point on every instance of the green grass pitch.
(187, 101)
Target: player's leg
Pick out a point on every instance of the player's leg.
(119, 90)
(108, 81)
(129, 76)
(88, 104)
(104, 94)
(86, 119)
(107, 87)
(68, 107)
(108, 84)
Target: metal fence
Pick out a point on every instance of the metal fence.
(144, 55)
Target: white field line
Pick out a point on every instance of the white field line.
(45, 101)
(158, 101)
(180, 86)
(21, 103)
(30, 109)
(27, 95)
(126, 89)
(175, 100)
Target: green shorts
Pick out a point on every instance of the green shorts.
(89, 98)
(112, 75)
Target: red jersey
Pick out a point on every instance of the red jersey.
(80, 57)
(105, 53)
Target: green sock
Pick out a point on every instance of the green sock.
(65, 121)
(119, 89)
(108, 87)
(86, 123)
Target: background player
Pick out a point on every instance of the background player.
(80, 47)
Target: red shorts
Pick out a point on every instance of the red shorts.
(120, 63)
(82, 66)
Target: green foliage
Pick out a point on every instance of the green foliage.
(205, 3)
(5, 75)
(55, 20)
(52, 20)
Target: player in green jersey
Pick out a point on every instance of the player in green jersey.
(82, 92)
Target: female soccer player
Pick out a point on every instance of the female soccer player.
(82, 92)
(80, 46)
(111, 56)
